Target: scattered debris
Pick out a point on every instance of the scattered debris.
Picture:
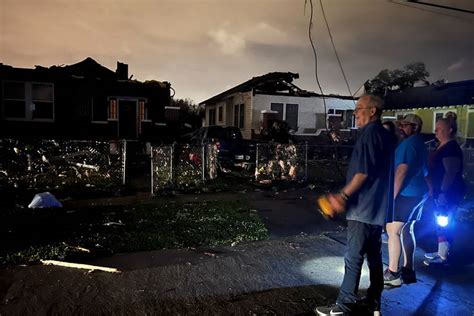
(44, 200)
(119, 223)
(79, 266)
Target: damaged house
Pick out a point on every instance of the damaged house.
(83, 101)
(260, 100)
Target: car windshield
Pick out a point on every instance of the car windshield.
(216, 132)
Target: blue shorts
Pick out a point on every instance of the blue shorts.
(407, 208)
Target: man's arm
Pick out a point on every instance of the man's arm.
(355, 184)
(352, 187)
(400, 175)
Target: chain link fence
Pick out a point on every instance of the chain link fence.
(182, 166)
(41, 165)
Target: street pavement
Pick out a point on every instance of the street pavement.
(440, 290)
(306, 250)
(299, 267)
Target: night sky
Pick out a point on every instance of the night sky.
(204, 47)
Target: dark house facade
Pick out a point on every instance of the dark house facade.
(82, 101)
(434, 102)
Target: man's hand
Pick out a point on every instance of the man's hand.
(338, 203)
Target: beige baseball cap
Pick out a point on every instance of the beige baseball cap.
(412, 119)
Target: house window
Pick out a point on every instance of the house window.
(143, 110)
(277, 107)
(212, 116)
(291, 116)
(350, 119)
(42, 101)
(112, 110)
(220, 113)
(239, 115)
(14, 100)
(28, 101)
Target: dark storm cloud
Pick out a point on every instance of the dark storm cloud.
(204, 47)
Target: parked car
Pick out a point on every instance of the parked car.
(233, 150)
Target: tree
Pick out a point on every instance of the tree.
(397, 79)
(189, 112)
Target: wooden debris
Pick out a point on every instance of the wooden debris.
(79, 266)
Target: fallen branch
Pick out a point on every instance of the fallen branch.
(79, 266)
(78, 248)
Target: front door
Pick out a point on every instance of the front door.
(127, 125)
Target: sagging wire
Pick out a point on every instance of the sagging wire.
(310, 26)
(430, 11)
(335, 50)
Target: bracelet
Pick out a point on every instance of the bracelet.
(344, 195)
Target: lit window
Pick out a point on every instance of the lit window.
(143, 110)
(112, 111)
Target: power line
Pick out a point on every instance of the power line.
(319, 85)
(431, 11)
(310, 26)
(442, 6)
(335, 50)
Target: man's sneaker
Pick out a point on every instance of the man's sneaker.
(392, 279)
(435, 261)
(431, 255)
(408, 275)
(331, 310)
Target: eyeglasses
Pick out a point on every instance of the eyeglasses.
(407, 124)
(358, 109)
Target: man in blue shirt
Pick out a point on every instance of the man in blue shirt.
(410, 194)
(366, 198)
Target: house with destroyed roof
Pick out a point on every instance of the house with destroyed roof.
(252, 105)
(83, 101)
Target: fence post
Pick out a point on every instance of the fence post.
(306, 161)
(203, 162)
(171, 164)
(152, 173)
(124, 161)
(256, 161)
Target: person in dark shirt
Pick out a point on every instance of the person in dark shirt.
(366, 198)
(446, 169)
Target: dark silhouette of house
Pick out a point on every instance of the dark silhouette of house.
(83, 101)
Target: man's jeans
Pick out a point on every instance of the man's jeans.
(362, 239)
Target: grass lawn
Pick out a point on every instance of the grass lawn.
(28, 235)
